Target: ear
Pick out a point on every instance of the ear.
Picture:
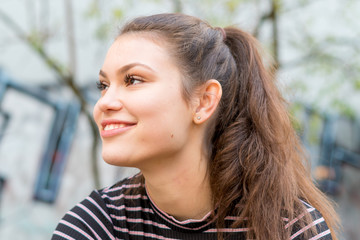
(208, 100)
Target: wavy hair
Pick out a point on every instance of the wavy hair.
(257, 166)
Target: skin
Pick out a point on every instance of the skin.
(160, 132)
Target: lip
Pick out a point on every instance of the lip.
(116, 131)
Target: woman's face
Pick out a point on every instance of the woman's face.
(141, 114)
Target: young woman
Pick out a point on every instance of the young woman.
(194, 109)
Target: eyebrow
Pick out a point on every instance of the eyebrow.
(125, 68)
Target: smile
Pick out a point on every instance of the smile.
(111, 128)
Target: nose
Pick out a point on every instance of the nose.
(110, 101)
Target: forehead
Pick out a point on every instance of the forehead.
(135, 47)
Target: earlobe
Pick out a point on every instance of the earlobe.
(209, 98)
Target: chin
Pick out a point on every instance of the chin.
(116, 160)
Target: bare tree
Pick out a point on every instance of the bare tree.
(65, 75)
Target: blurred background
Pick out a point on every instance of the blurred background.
(50, 56)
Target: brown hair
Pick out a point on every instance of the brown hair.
(257, 166)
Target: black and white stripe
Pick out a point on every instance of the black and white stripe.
(124, 211)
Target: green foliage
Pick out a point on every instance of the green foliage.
(298, 86)
(232, 5)
(309, 126)
(278, 4)
(102, 31)
(35, 40)
(304, 2)
(357, 84)
(315, 127)
(343, 108)
(93, 10)
(104, 21)
(295, 111)
(117, 13)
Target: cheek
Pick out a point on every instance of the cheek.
(165, 120)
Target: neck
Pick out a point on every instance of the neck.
(181, 188)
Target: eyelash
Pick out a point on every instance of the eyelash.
(129, 80)
(101, 86)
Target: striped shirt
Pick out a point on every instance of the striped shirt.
(117, 213)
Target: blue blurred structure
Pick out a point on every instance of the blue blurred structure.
(2, 184)
(4, 123)
(333, 154)
(60, 136)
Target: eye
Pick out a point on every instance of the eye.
(132, 80)
(101, 85)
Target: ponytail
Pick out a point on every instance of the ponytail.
(257, 168)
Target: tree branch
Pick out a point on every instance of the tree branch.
(275, 29)
(9, 22)
(70, 37)
(261, 21)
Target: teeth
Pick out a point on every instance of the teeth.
(113, 126)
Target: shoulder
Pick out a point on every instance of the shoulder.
(91, 218)
(301, 230)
